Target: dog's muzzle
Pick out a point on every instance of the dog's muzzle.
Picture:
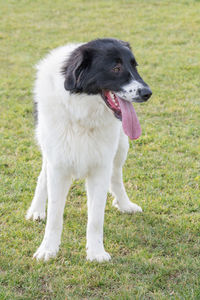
(135, 91)
(144, 93)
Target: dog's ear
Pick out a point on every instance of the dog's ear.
(75, 68)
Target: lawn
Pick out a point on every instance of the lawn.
(156, 254)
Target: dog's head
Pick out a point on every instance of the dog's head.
(108, 67)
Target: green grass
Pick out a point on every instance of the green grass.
(155, 255)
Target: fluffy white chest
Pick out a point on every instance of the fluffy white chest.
(79, 139)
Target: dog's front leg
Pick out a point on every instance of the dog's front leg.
(57, 185)
(97, 187)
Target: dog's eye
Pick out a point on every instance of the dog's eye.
(117, 69)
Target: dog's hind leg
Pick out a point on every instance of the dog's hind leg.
(117, 188)
(37, 208)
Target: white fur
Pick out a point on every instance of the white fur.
(130, 90)
(79, 138)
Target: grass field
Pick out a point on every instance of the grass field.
(155, 255)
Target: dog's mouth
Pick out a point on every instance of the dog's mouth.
(124, 111)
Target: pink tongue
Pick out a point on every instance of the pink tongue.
(130, 120)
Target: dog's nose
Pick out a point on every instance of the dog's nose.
(145, 93)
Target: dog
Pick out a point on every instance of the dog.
(83, 96)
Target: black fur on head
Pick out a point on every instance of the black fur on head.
(94, 66)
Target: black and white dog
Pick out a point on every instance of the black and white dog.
(84, 95)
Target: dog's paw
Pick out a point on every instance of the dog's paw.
(45, 254)
(128, 207)
(35, 214)
(101, 257)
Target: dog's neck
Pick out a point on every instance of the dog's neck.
(88, 111)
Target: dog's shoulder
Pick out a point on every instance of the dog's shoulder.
(49, 83)
(56, 57)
